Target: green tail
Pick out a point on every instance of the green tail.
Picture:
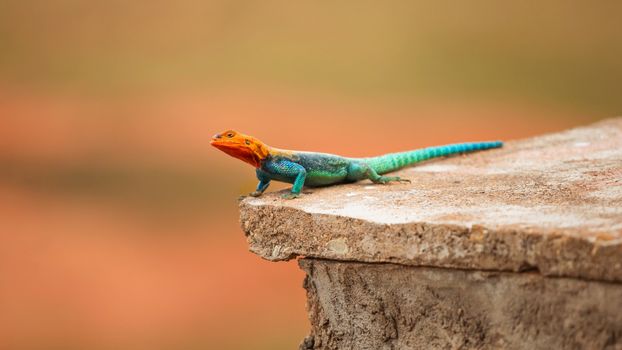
(394, 161)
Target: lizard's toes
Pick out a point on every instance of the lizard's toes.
(290, 195)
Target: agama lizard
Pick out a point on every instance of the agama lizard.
(322, 169)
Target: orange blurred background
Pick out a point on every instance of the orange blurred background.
(118, 221)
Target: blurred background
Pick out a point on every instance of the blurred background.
(119, 223)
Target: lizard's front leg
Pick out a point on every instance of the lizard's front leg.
(261, 187)
(289, 169)
(297, 188)
(264, 182)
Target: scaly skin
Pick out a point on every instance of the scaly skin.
(322, 169)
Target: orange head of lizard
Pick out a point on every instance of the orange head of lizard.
(243, 147)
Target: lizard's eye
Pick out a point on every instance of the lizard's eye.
(230, 135)
(248, 142)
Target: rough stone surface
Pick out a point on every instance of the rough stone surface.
(551, 203)
(387, 306)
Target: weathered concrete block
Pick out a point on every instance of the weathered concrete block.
(388, 306)
(522, 248)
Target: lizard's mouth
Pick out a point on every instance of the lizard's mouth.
(222, 144)
(243, 153)
(232, 148)
(218, 141)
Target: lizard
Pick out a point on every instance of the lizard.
(315, 169)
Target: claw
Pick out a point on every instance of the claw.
(290, 195)
(385, 180)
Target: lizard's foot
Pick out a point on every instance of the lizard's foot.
(404, 180)
(252, 194)
(290, 195)
(387, 179)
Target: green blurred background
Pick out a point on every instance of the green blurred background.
(118, 222)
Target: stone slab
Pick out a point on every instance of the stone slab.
(387, 306)
(552, 203)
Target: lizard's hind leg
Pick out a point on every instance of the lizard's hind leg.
(379, 179)
(361, 171)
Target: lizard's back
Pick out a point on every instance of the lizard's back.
(322, 168)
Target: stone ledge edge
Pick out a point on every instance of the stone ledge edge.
(279, 233)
